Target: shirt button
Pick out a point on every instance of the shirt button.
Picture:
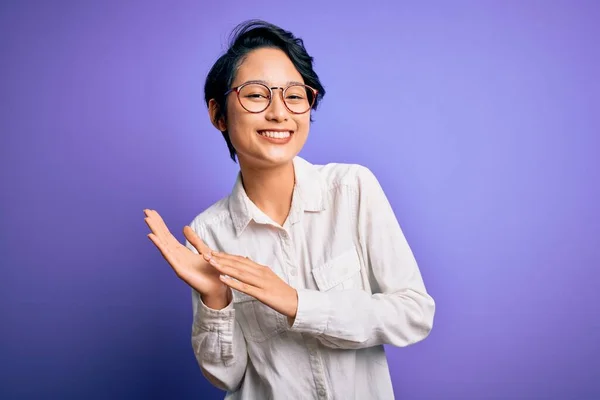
(321, 392)
(293, 272)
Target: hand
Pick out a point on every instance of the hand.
(257, 281)
(190, 267)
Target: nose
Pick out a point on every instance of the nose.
(277, 111)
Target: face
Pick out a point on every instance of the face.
(272, 137)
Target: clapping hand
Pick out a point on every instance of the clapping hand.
(255, 280)
(192, 268)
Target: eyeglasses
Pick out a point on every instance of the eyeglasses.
(256, 97)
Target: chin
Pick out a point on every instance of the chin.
(269, 159)
(262, 154)
(278, 159)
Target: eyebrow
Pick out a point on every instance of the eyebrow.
(268, 84)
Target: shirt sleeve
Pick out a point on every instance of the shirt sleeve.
(218, 343)
(399, 312)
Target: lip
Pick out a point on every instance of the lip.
(276, 140)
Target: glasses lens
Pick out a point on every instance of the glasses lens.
(298, 98)
(254, 97)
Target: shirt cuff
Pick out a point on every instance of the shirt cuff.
(211, 320)
(314, 309)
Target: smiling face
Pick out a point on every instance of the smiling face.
(274, 136)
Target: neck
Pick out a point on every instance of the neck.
(271, 189)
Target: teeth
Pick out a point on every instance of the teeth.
(275, 135)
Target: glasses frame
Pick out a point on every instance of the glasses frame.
(237, 90)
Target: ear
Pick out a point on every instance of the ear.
(213, 111)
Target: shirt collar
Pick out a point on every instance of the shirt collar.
(309, 195)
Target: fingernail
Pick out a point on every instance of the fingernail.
(206, 257)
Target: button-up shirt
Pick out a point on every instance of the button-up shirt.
(358, 284)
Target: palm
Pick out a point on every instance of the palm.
(189, 266)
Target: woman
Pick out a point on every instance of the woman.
(302, 273)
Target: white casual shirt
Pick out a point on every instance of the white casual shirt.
(358, 285)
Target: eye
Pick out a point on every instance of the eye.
(255, 92)
(256, 96)
(295, 94)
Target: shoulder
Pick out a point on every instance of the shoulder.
(355, 177)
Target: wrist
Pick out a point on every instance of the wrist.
(293, 308)
(217, 301)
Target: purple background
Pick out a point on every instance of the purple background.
(481, 120)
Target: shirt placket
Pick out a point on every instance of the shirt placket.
(290, 267)
(317, 367)
(316, 362)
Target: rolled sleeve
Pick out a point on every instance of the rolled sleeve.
(314, 309)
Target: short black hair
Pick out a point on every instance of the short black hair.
(246, 37)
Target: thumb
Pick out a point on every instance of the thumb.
(195, 240)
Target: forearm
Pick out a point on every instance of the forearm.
(353, 319)
(219, 345)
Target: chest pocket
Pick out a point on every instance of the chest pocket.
(340, 273)
(258, 321)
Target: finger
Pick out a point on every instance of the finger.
(159, 228)
(158, 243)
(241, 286)
(195, 240)
(152, 226)
(166, 238)
(243, 260)
(156, 224)
(167, 254)
(238, 271)
(160, 223)
(241, 263)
